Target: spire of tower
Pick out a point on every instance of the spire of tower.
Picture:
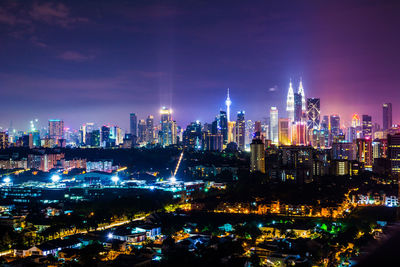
(290, 102)
(301, 92)
(228, 103)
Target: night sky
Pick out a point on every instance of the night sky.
(97, 61)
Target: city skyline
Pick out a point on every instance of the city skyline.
(67, 67)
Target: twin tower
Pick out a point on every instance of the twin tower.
(296, 102)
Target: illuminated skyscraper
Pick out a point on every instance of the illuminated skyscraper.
(105, 136)
(335, 124)
(290, 103)
(141, 132)
(240, 130)
(257, 156)
(303, 98)
(387, 116)
(367, 126)
(355, 121)
(150, 129)
(394, 153)
(133, 124)
(228, 103)
(284, 132)
(313, 113)
(364, 152)
(274, 127)
(3, 140)
(168, 130)
(223, 126)
(56, 130)
(298, 112)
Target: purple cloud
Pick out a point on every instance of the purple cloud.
(75, 56)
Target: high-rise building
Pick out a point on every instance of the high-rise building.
(299, 133)
(303, 97)
(105, 136)
(367, 126)
(168, 131)
(192, 135)
(298, 112)
(3, 140)
(335, 124)
(313, 113)
(56, 130)
(364, 151)
(228, 103)
(257, 156)
(351, 134)
(141, 131)
(387, 116)
(150, 129)
(133, 124)
(223, 126)
(274, 127)
(241, 130)
(290, 103)
(344, 150)
(284, 132)
(394, 153)
(355, 121)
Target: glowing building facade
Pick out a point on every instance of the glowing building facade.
(284, 132)
(274, 127)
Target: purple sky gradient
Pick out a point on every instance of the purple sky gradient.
(99, 61)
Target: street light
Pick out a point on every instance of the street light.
(7, 180)
(172, 179)
(55, 178)
(115, 179)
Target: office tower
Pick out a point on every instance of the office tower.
(56, 130)
(93, 138)
(240, 130)
(284, 133)
(303, 97)
(232, 132)
(257, 127)
(387, 116)
(290, 103)
(257, 156)
(3, 140)
(351, 134)
(228, 103)
(299, 133)
(367, 126)
(364, 151)
(313, 113)
(150, 129)
(325, 123)
(394, 153)
(213, 141)
(355, 121)
(298, 112)
(379, 148)
(335, 124)
(165, 133)
(249, 133)
(274, 127)
(223, 126)
(192, 135)
(105, 136)
(117, 135)
(133, 124)
(141, 131)
(346, 151)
